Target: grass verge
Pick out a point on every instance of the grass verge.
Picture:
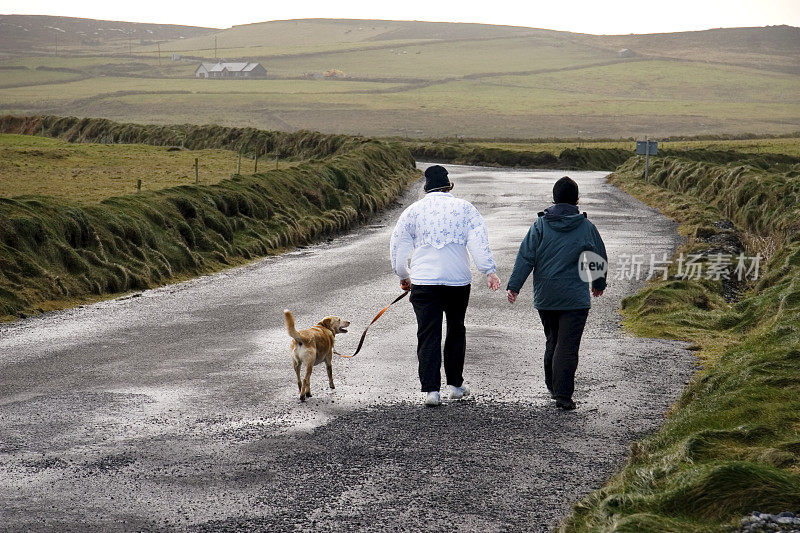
(63, 250)
(731, 444)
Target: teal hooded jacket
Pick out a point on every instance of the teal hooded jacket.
(552, 250)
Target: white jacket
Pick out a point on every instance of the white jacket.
(438, 230)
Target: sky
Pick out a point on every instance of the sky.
(584, 16)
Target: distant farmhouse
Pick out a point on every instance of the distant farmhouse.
(230, 70)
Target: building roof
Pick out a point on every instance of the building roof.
(230, 67)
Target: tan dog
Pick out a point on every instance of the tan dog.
(313, 346)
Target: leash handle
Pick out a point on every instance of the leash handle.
(363, 335)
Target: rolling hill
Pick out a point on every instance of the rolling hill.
(39, 33)
(416, 79)
(772, 48)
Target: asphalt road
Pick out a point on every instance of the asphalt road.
(177, 409)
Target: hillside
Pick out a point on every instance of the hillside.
(424, 79)
(37, 33)
(287, 33)
(769, 47)
(773, 47)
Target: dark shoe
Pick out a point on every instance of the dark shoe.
(567, 405)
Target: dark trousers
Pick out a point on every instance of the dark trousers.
(430, 302)
(563, 330)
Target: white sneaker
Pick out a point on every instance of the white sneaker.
(456, 393)
(433, 399)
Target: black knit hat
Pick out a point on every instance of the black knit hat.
(565, 191)
(436, 178)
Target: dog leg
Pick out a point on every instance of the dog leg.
(302, 385)
(307, 381)
(329, 366)
(297, 364)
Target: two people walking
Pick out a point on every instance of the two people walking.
(439, 232)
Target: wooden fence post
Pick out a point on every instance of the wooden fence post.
(239, 164)
(255, 168)
(196, 170)
(138, 185)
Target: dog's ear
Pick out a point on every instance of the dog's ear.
(327, 322)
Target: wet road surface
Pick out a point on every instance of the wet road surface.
(177, 409)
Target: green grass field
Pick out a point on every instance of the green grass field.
(506, 106)
(439, 60)
(238, 92)
(102, 65)
(28, 78)
(426, 80)
(89, 172)
(666, 81)
(275, 51)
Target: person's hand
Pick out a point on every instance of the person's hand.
(512, 296)
(493, 281)
(405, 284)
(596, 293)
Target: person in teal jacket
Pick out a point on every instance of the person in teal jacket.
(553, 250)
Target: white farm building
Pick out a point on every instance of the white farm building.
(230, 70)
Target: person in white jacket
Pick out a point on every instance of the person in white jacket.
(437, 233)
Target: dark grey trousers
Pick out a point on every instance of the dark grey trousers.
(430, 303)
(563, 330)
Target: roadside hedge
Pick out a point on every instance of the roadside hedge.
(54, 250)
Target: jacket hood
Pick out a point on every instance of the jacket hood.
(563, 217)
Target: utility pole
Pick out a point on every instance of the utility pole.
(159, 53)
(215, 47)
(56, 44)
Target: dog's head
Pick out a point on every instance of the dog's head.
(335, 324)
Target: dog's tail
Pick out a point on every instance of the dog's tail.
(289, 317)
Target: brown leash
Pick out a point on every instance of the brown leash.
(363, 335)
